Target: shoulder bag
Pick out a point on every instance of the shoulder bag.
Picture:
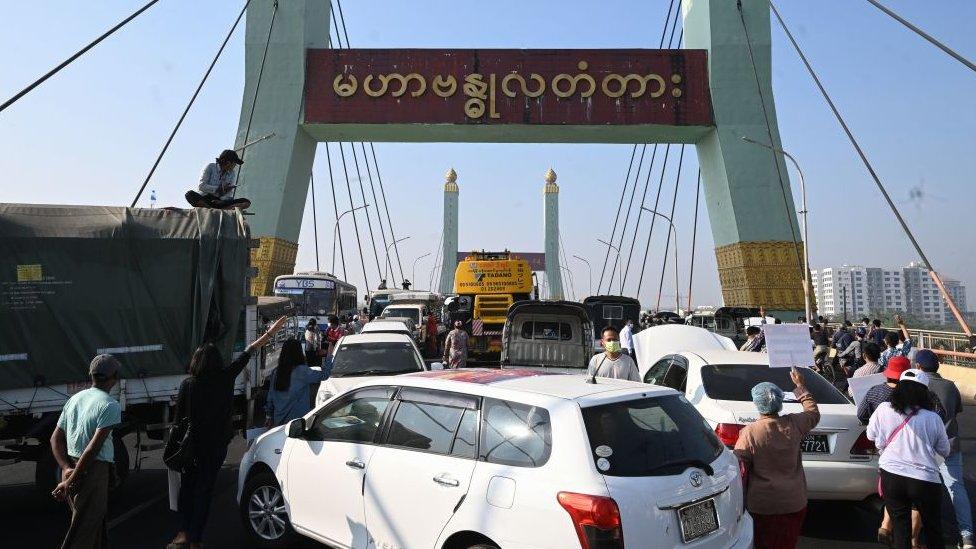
(178, 455)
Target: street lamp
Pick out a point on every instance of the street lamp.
(572, 283)
(615, 261)
(335, 230)
(589, 270)
(413, 272)
(387, 266)
(807, 305)
(677, 297)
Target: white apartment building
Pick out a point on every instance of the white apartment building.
(862, 291)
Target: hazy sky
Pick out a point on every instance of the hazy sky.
(89, 135)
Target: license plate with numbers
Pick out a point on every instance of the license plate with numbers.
(697, 520)
(815, 444)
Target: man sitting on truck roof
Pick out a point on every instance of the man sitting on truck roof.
(217, 184)
(82, 448)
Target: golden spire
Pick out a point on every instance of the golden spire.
(551, 186)
(450, 181)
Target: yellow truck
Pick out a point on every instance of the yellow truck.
(486, 284)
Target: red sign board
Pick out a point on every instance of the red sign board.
(534, 87)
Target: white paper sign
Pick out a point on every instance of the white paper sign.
(788, 345)
(858, 386)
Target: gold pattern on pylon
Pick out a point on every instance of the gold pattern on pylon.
(275, 257)
(551, 187)
(761, 274)
(450, 181)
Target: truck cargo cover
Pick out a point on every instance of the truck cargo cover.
(145, 285)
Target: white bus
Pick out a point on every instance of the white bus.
(317, 295)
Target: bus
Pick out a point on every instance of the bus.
(610, 310)
(317, 295)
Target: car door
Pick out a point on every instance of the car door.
(420, 474)
(671, 371)
(326, 467)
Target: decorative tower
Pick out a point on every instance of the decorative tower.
(449, 257)
(553, 272)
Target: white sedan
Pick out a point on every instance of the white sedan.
(484, 459)
(839, 461)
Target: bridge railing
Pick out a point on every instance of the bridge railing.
(952, 347)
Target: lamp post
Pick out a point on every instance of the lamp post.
(572, 284)
(589, 270)
(387, 266)
(807, 304)
(413, 272)
(615, 261)
(335, 229)
(677, 297)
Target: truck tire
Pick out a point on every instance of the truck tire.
(270, 527)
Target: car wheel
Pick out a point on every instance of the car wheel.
(263, 512)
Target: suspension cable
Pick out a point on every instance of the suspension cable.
(769, 132)
(379, 213)
(337, 235)
(650, 232)
(667, 242)
(867, 164)
(257, 88)
(315, 221)
(77, 54)
(386, 207)
(355, 221)
(640, 211)
(369, 223)
(630, 207)
(616, 218)
(694, 237)
(924, 35)
(193, 98)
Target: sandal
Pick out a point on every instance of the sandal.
(884, 537)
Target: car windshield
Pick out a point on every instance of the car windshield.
(402, 312)
(735, 382)
(649, 437)
(376, 359)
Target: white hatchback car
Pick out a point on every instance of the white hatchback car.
(839, 461)
(361, 356)
(483, 459)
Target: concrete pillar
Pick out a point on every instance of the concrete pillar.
(450, 250)
(554, 276)
(754, 230)
(276, 171)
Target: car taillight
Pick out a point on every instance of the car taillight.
(863, 446)
(728, 433)
(596, 519)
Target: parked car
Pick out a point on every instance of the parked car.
(386, 327)
(550, 334)
(360, 356)
(839, 461)
(483, 459)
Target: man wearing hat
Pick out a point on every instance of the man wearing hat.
(82, 448)
(952, 472)
(897, 365)
(217, 184)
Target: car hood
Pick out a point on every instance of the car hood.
(652, 343)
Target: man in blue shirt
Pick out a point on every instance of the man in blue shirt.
(895, 347)
(82, 448)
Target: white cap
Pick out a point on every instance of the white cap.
(918, 376)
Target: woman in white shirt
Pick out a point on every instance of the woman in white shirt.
(910, 436)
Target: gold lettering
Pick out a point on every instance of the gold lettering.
(384, 81)
(444, 87)
(344, 89)
(476, 88)
(492, 112)
(660, 83)
(405, 82)
(563, 78)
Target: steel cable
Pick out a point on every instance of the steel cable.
(667, 244)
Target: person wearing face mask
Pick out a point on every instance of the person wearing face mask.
(613, 363)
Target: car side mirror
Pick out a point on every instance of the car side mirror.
(436, 365)
(296, 428)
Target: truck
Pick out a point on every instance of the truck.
(415, 306)
(145, 285)
(548, 335)
(487, 284)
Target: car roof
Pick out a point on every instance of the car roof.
(562, 386)
(731, 357)
(377, 337)
(385, 325)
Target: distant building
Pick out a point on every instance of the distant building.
(863, 291)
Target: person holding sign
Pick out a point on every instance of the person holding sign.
(769, 450)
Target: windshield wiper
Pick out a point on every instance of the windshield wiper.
(373, 372)
(689, 462)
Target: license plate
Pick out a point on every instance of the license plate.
(697, 520)
(815, 444)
